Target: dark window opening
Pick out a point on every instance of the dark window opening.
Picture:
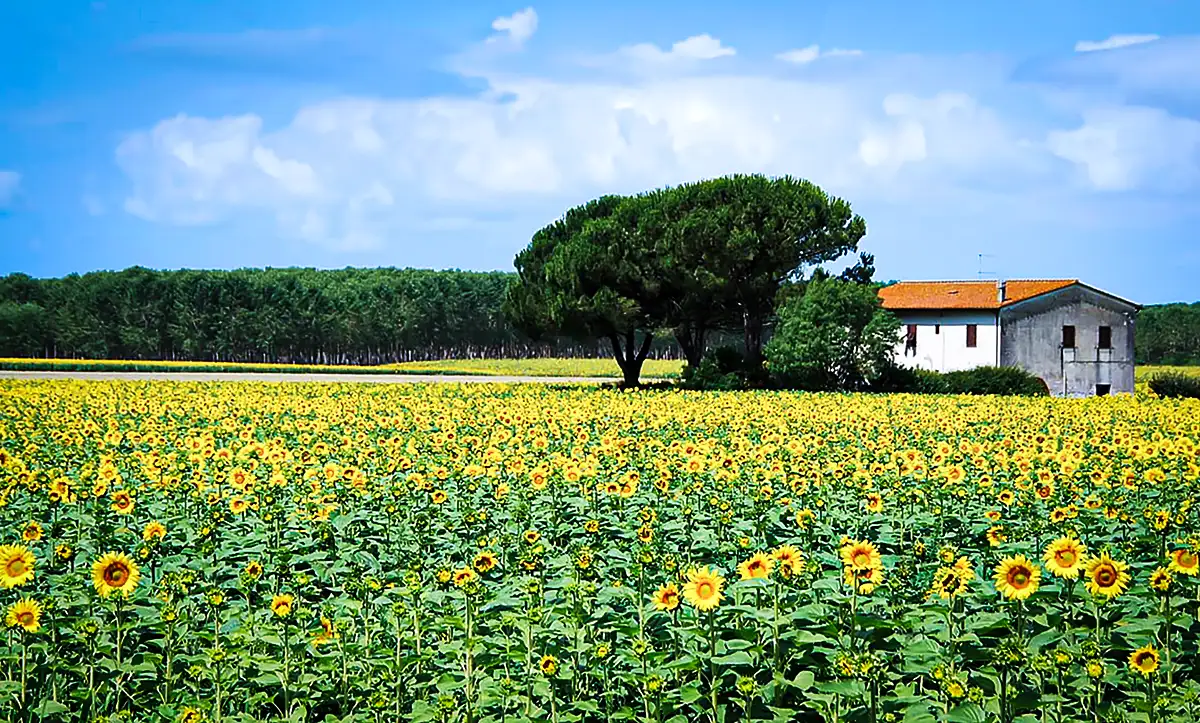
(1105, 337)
(1068, 337)
(1102, 390)
(972, 336)
(910, 340)
(937, 328)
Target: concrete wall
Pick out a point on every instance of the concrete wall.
(1031, 337)
(942, 340)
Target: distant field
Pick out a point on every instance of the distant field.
(654, 368)
(1144, 373)
(489, 367)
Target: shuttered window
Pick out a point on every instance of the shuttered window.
(972, 336)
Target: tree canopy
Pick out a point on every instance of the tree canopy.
(692, 259)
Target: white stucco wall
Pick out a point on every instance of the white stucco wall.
(942, 340)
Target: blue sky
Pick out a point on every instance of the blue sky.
(1058, 139)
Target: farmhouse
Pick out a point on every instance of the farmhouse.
(1076, 338)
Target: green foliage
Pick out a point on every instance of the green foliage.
(1169, 334)
(724, 369)
(835, 337)
(1008, 381)
(1176, 385)
(297, 316)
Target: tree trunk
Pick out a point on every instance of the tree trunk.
(691, 343)
(629, 359)
(752, 330)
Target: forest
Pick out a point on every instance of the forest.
(347, 316)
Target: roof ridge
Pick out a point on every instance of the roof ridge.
(978, 281)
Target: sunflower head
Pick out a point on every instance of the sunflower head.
(860, 555)
(1185, 561)
(115, 572)
(463, 576)
(703, 588)
(1106, 577)
(16, 565)
(282, 605)
(548, 665)
(485, 561)
(25, 614)
(1017, 578)
(154, 531)
(666, 597)
(759, 566)
(1144, 660)
(1065, 557)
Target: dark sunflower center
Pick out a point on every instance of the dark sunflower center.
(16, 567)
(861, 559)
(1018, 577)
(116, 574)
(1066, 558)
(1106, 576)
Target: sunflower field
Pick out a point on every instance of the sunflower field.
(482, 553)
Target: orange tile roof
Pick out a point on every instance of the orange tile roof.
(965, 294)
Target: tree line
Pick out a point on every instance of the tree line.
(1168, 334)
(294, 315)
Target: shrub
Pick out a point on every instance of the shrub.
(722, 369)
(1176, 385)
(895, 379)
(1009, 381)
(837, 337)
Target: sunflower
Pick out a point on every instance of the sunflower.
(1161, 579)
(532, 536)
(463, 575)
(254, 569)
(190, 715)
(26, 613)
(791, 562)
(1185, 561)
(281, 605)
(485, 561)
(1144, 660)
(950, 582)
(703, 588)
(16, 565)
(154, 531)
(115, 572)
(645, 534)
(238, 505)
(759, 566)
(867, 580)
(1107, 577)
(874, 502)
(122, 502)
(666, 597)
(549, 665)
(996, 536)
(32, 532)
(1065, 557)
(860, 556)
(1017, 577)
(438, 497)
(591, 526)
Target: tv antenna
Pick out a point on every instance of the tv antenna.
(982, 272)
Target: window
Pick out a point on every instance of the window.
(1068, 337)
(937, 328)
(1105, 337)
(1102, 390)
(972, 336)
(910, 340)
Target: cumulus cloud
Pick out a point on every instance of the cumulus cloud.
(1113, 41)
(697, 47)
(515, 28)
(353, 171)
(803, 56)
(9, 180)
(1122, 148)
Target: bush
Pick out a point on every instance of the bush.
(722, 369)
(837, 337)
(1007, 381)
(1176, 385)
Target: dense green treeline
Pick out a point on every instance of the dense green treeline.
(1168, 334)
(345, 316)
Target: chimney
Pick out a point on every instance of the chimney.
(1001, 291)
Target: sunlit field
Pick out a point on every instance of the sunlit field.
(549, 367)
(346, 552)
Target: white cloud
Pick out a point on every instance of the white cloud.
(515, 28)
(353, 171)
(1123, 148)
(9, 180)
(1113, 41)
(803, 56)
(697, 47)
